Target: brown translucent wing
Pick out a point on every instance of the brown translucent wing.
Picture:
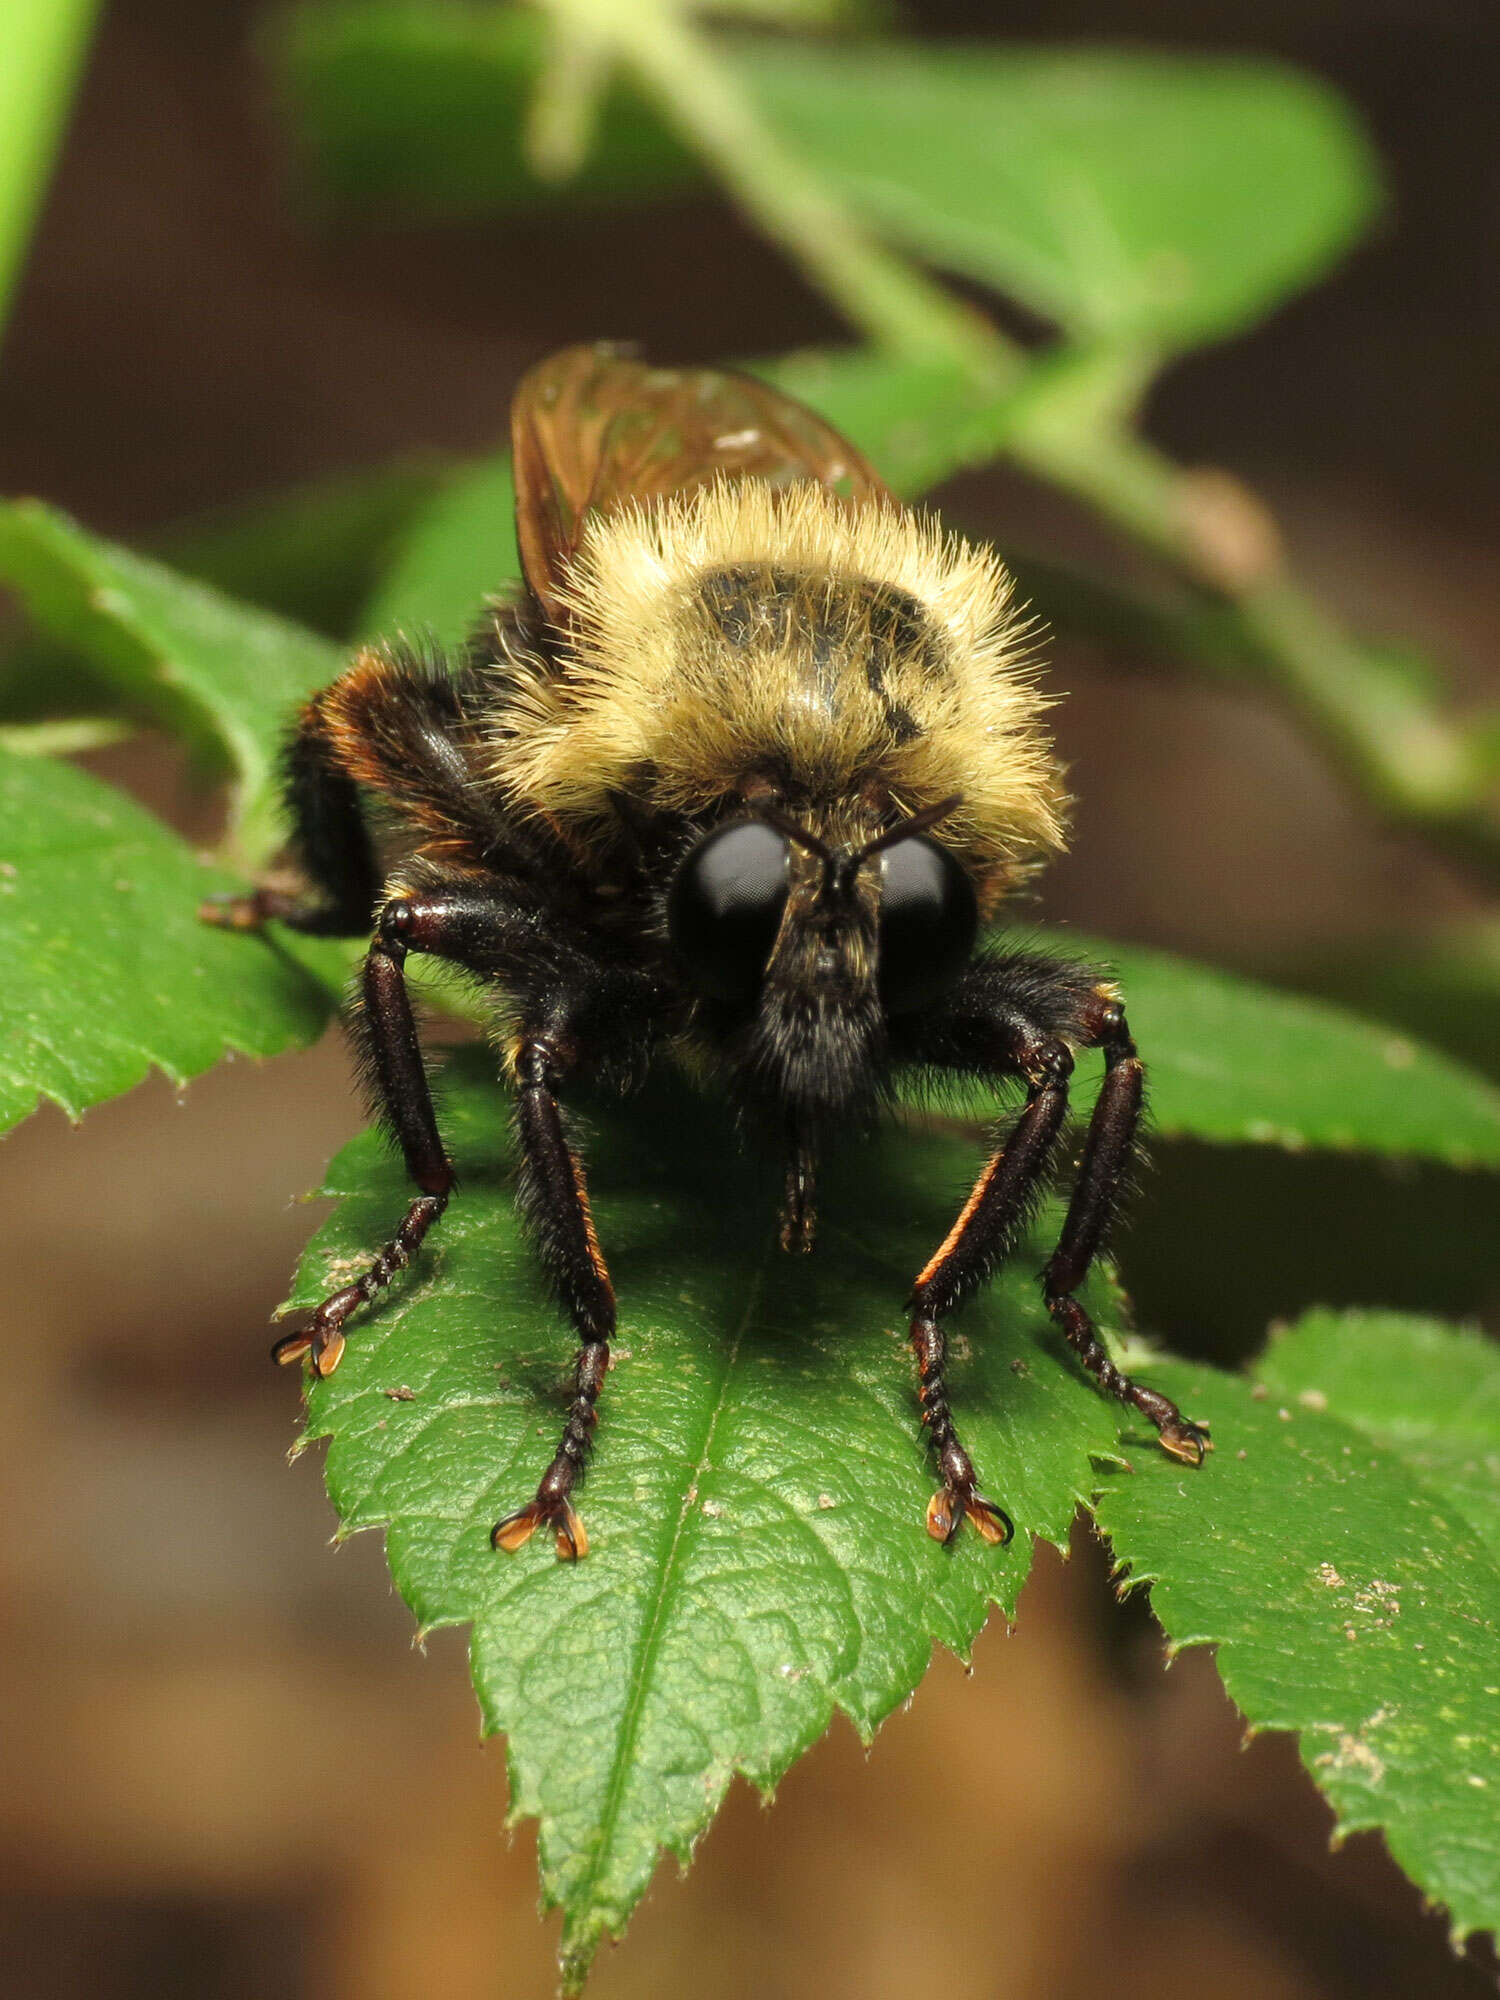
(593, 428)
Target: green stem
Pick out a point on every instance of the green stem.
(895, 304)
(1419, 768)
(42, 44)
(64, 737)
(564, 110)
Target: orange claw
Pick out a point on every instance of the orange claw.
(327, 1357)
(1188, 1442)
(516, 1530)
(947, 1508)
(572, 1541)
(990, 1521)
(231, 913)
(291, 1347)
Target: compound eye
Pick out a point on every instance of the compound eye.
(928, 923)
(724, 908)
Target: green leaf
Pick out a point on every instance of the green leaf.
(1351, 1604)
(1423, 1391)
(917, 421)
(419, 110)
(222, 674)
(1445, 987)
(1242, 1064)
(313, 552)
(458, 549)
(755, 1504)
(45, 45)
(1146, 199)
(108, 971)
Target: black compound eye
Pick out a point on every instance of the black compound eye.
(724, 908)
(928, 923)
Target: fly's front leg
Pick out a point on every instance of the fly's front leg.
(1096, 1198)
(1003, 1197)
(554, 1201)
(445, 925)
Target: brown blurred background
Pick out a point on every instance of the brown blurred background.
(224, 1772)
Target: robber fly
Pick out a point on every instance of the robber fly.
(739, 770)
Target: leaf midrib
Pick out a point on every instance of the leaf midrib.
(651, 1630)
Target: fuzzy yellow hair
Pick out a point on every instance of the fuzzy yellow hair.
(815, 677)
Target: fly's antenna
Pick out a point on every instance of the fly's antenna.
(841, 865)
(798, 835)
(918, 823)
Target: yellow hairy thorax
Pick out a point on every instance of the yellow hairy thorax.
(747, 628)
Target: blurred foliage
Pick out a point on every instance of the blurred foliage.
(42, 46)
(760, 1555)
(222, 675)
(1123, 196)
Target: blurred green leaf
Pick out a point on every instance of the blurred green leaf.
(1149, 199)
(821, 15)
(42, 47)
(313, 553)
(756, 1500)
(108, 972)
(457, 550)
(1445, 988)
(1425, 1392)
(1225, 1240)
(224, 675)
(1350, 1604)
(410, 107)
(43, 681)
(64, 735)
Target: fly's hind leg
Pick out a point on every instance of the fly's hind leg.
(1022, 1015)
(1096, 1197)
(555, 1204)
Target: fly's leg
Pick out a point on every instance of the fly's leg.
(1002, 1199)
(394, 1055)
(1096, 1197)
(555, 1204)
(1020, 1014)
(448, 924)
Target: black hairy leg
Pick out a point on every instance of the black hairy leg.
(998, 1207)
(1022, 1016)
(391, 1056)
(1096, 1194)
(555, 1205)
(799, 1213)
